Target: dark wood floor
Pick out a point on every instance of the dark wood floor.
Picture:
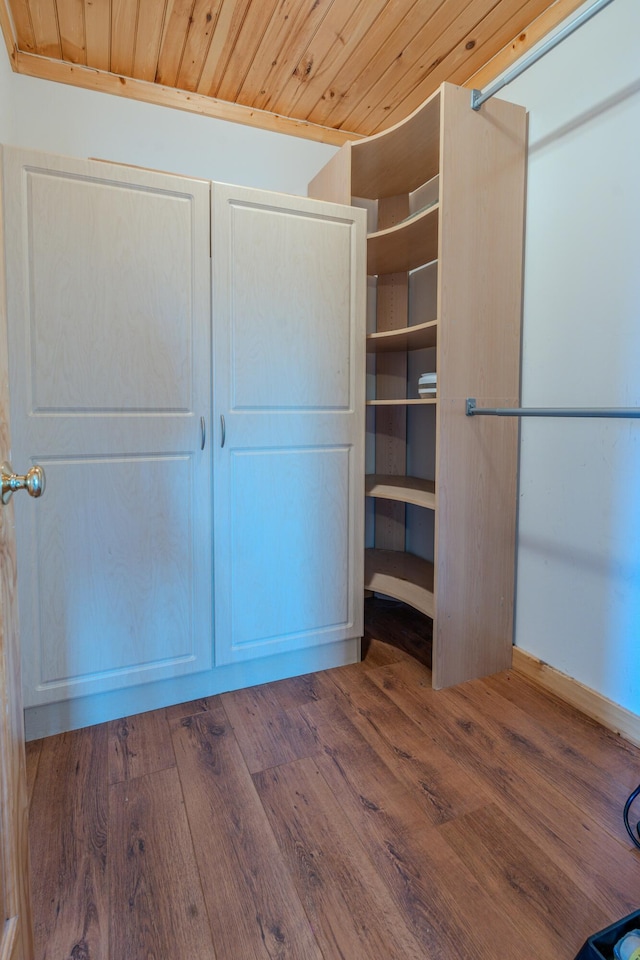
(349, 814)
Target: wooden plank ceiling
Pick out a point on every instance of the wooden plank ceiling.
(334, 68)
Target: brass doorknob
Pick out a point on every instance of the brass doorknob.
(33, 482)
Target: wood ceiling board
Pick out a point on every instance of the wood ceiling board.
(520, 45)
(258, 16)
(199, 36)
(124, 17)
(395, 60)
(380, 45)
(461, 62)
(432, 44)
(326, 54)
(148, 39)
(71, 26)
(289, 33)
(503, 36)
(97, 33)
(353, 65)
(400, 84)
(22, 24)
(44, 20)
(174, 36)
(8, 32)
(230, 20)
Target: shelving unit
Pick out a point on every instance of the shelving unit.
(445, 194)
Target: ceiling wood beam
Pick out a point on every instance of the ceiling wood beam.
(90, 79)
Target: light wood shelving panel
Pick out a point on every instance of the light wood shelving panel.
(401, 575)
(404, 246)
(402, 402)
(416, 337)
(448, 187)
(401, 159)
(414, 490)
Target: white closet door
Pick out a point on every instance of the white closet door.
(109, 333)
(288, 307)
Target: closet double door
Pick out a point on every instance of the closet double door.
(149, 419)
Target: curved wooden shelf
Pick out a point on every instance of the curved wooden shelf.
(405, 246)
(401, 401)
(401, 158)
(401, 575)
(406, 338)
(414, 490)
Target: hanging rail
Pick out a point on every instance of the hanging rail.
(478, 97)
(617, 413)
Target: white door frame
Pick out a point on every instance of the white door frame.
(16, 935)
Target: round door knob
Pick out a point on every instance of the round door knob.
(33, 482)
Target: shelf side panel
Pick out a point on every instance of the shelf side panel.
(401, 158)
(482, 189)
(475, 544)
(333, 181)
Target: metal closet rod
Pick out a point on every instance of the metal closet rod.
(478, 97)
(616, 413)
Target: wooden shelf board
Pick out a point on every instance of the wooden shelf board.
(400, 158)
(406, 245)
(417, 337)
(401, 575)
(401, 401)
(414, 490)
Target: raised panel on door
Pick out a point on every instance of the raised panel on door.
(288, 302)
(110, 360)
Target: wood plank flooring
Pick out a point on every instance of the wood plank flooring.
(354, 814)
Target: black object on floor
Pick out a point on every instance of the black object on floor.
(600, 945)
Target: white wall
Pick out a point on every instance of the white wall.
(578, 597)
(5, 100)
(82, 123)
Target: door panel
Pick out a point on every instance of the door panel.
(111, 297)
(301, 514)
(290, 310)
(110, 359)
(134, 572)
(288, 282)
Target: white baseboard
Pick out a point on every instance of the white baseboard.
(588, 701)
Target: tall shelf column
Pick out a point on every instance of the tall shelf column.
(448, 184)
